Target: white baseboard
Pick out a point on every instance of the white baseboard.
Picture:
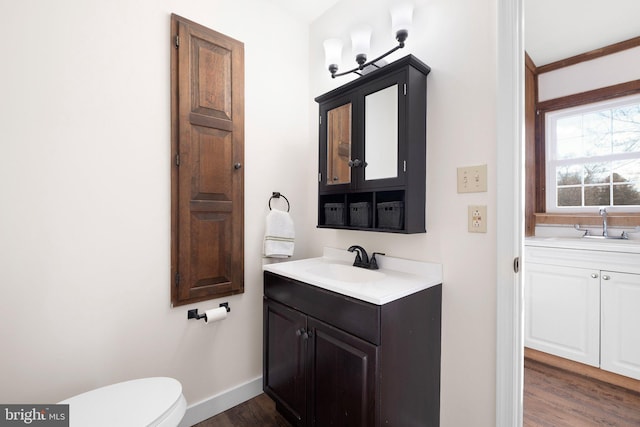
(221, 402)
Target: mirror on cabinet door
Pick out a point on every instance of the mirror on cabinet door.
(381, 134)
(339, 145)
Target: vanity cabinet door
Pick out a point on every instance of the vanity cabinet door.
(343, 374)
(284, 360)
(562, 311)
(620, 317)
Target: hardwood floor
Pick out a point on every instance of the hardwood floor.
(557, 398)
(257, 412)
(553, 398)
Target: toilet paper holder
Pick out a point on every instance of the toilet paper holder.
(193, 313)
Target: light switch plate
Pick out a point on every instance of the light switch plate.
(472, 179)
(477, 219)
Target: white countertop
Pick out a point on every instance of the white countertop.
(592, 244)
(395, 278)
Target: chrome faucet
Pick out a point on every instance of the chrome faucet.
(362, 259)
(603, 214)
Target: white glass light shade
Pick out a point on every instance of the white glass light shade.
(332, 52)
(401, 18)
(361, 40)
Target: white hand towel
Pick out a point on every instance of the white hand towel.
(279, 235)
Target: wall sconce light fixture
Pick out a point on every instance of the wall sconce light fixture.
(401, 18)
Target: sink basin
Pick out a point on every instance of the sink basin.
(346, 273)
(334, 272)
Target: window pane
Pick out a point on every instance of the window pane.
(596, 173)
(626, 194)
(569, 148)
(569, 127)
(569, 175)
(597, 133)
(626, 129)
(569, 137)
(570, 196)
(626, 171)
(597, 195)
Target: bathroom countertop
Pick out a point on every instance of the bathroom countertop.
(591, 244)
(395, 278)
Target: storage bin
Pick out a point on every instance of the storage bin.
(360, 214)
(333, 213)
(391, 215)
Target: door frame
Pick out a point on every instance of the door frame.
(510, 212)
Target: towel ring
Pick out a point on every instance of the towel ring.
(277, 195)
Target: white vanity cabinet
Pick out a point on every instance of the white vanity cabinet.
(620, 323)
(562, 311)
(584, 304)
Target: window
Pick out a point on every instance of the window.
(593, 156)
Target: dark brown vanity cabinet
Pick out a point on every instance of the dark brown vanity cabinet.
(372, 159)
(332, 360)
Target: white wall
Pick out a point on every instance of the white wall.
(457, 39)
(620, 67)
(85, 190)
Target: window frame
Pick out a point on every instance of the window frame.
(536, 198)
(551, 116)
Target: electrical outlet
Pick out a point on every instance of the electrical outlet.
(477, 219)
(472, 179)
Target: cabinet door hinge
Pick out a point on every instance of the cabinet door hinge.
(516, 264)
(177, 279)
(404, 165)
(319, 176)
(405, 89)
(177, 41)
(320, 120)
(177, 159)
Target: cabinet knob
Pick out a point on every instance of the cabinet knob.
(355, 163)
(605, 277)
(237, 165)
(302, 332)
(594, 275)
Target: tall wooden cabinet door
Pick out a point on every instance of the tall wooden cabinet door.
(284, 360)
(620, 319)
(208, 151)
(343, 378)
(562, 306)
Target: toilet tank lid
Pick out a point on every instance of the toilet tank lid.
(140, 402)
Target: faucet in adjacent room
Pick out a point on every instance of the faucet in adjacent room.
(362, 259)
(603, 214)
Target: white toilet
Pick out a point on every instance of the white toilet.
(137, 403)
